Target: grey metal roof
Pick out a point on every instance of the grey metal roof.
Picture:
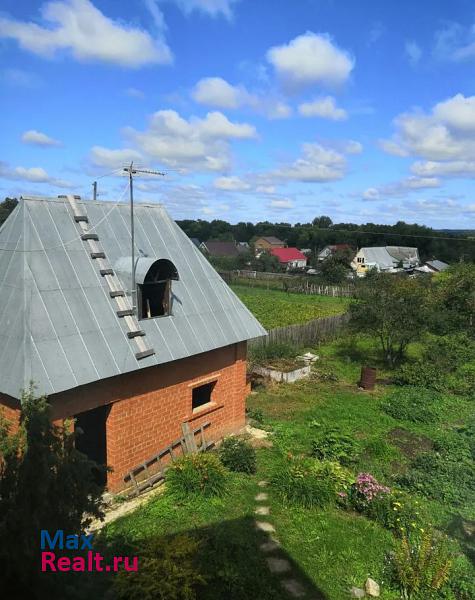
(438, 265)
(58, 325)
(404, 253)
(378, 256)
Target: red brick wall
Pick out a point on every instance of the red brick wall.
(10, 410)
(148, 407)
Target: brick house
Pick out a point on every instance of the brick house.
(267, 243)
(130, 377)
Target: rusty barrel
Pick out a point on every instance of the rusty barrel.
(368, 378)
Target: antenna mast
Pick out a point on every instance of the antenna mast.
(131, 170)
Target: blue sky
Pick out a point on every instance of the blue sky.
(256, 109)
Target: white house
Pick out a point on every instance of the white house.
(385, 259)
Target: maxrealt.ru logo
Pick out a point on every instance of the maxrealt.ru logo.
(86, 559)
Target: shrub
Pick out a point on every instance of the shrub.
(365, 491)
(415, 404)
(419, 373)
(398, 512)
(271, 351)
(421, 565)
(255, 414)
(309, 483)
(193, 474)
(167, 571)
(332, 444)
(238, 455)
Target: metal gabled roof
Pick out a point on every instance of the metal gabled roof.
(58, 325)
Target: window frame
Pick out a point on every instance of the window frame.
(205, 405)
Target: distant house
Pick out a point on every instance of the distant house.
(292, 258)
(385, 259)
(134, 359)
(433, 266)
(332, 249)
(267, 243)
(219, 249)
(243, 247)
(195, 241)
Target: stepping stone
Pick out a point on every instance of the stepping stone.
(263, 483)
(261, 497)
(264, 526)
(293, 587)
(269, 546)
(278, 565)
(262, 510)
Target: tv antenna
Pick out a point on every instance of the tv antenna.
(131, 170)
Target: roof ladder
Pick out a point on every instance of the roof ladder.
(123, 309)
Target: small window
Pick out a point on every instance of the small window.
(154, 294)
(202, 395)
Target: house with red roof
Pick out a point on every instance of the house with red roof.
(333, 249)
(291, 258)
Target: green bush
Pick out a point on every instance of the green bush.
(238, 455)
(255, 414)
(422, 374)
(421, 566)
(398, 512)
(332, 444)
(309, 483)
(167, 571)
(193, 474)
(272, 351)
(415, 404)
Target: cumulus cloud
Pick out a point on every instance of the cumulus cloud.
(352, 147)
(213, 8)
(113, 159)
(36, 138)
(32, 175)
(281, 204)
(316, 164)
(217, 92)
(231, 184)
(446, 133)
(400, 188)
(197, 143)
(413, 52)
(310, 59)
(78, 27)
(451, 168)
(324, 107)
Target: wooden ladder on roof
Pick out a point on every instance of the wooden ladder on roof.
(124, 309)
(152, 471)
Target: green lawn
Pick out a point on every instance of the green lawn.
(276, 308)
(330, 549)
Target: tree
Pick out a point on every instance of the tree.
(395, 309)
(456, 293)
(333, 271)
(6, 207)
(45, 483)
(322, 222)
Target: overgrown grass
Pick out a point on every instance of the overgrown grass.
(274, 308)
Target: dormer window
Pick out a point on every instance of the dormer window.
(154, 295)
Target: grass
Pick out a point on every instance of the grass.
(330, 549)
(275, 308)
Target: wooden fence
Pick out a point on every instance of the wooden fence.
(306, 334)
(289, 283)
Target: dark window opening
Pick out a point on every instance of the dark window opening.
(202, 395)
(91, 438)
(154, 294)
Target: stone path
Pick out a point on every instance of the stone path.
(277, 565)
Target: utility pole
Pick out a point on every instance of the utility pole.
(94, 190)
(133, 171)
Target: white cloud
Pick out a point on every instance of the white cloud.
(215, 91)
(36, 138)
(455, 42)
(234, 184)
(197, 143)
(400, 188)
(352, 147)
(310, 59)
(32, 175)
(79, 27)
(447, 133)
(413, 52)
(265, 189)
(324, 107)
(281, 204)
(113, 159)
(316, 164)
(213, 8)
(455, 168)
